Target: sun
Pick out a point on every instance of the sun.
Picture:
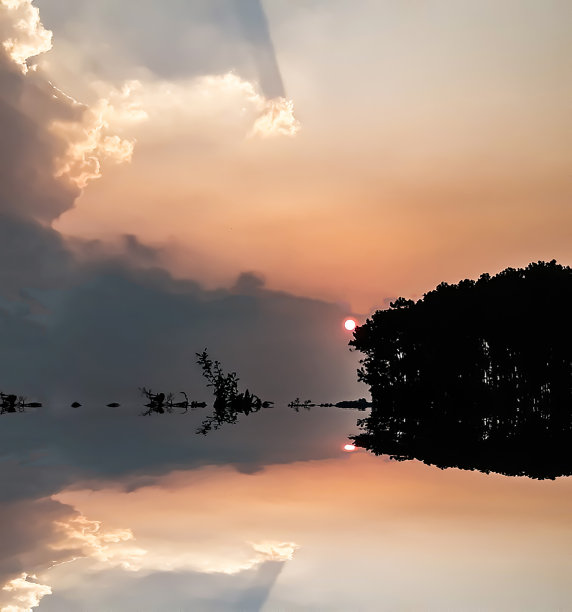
(350, 324)
(349, 448)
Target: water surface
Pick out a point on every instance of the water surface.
(110, 510)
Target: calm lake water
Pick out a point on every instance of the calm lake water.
(103, 509)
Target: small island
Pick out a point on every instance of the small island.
(476, 375)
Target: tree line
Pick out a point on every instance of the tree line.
(481, 369)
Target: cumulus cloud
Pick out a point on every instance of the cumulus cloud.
(32, 557)
(106, 547)
(28, 532)
(25, 593)
(47, 135)
(277, 119)
(215, 107)
(246, 559)
(276, 551)
(40, 535)
(90, 141)
(21, 31)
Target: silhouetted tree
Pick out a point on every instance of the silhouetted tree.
(229, 402)
(481, 369)
(10, 403)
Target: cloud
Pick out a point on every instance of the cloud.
(216, 108)
(190, 40)
(46, 133)
(276, 551)
(42, 537)
(175, 590)
(28, 533)
(277, 119)
(106, 547)
(42, 534)
(28, 151)
(23, 35)
(25, 593)
(90, 143)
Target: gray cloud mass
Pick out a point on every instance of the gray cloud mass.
(80, 323)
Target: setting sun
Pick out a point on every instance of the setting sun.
(349, 448)
(350, 324)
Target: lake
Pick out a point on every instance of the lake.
(104, 509)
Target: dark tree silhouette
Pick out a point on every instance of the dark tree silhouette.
(229, 402)
(10, 403)
(477, 374)
(159, 403)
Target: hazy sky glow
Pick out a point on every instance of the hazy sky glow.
(245, 175)
(432, 142)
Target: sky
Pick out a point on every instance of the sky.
(430, 143)
(242, 175)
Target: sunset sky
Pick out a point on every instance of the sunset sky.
(428, 140)
(244, 175)
(292, 163)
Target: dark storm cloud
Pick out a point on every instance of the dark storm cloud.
(28, 150)
(178, 39)
(114, 328)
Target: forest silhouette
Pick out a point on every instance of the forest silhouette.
(476, 375)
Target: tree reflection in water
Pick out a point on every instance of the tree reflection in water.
(476, 375)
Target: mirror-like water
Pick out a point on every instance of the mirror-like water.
(105, 510)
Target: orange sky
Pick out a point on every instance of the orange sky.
(432, 146)
(404, 534)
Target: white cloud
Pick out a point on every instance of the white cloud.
(259, 553)
(22, 33)
(90, 141)
(24, 593)
(59, 535)
(225, 105)
(223, 102)
(277, 120)
(106, 547)
(103, 130)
